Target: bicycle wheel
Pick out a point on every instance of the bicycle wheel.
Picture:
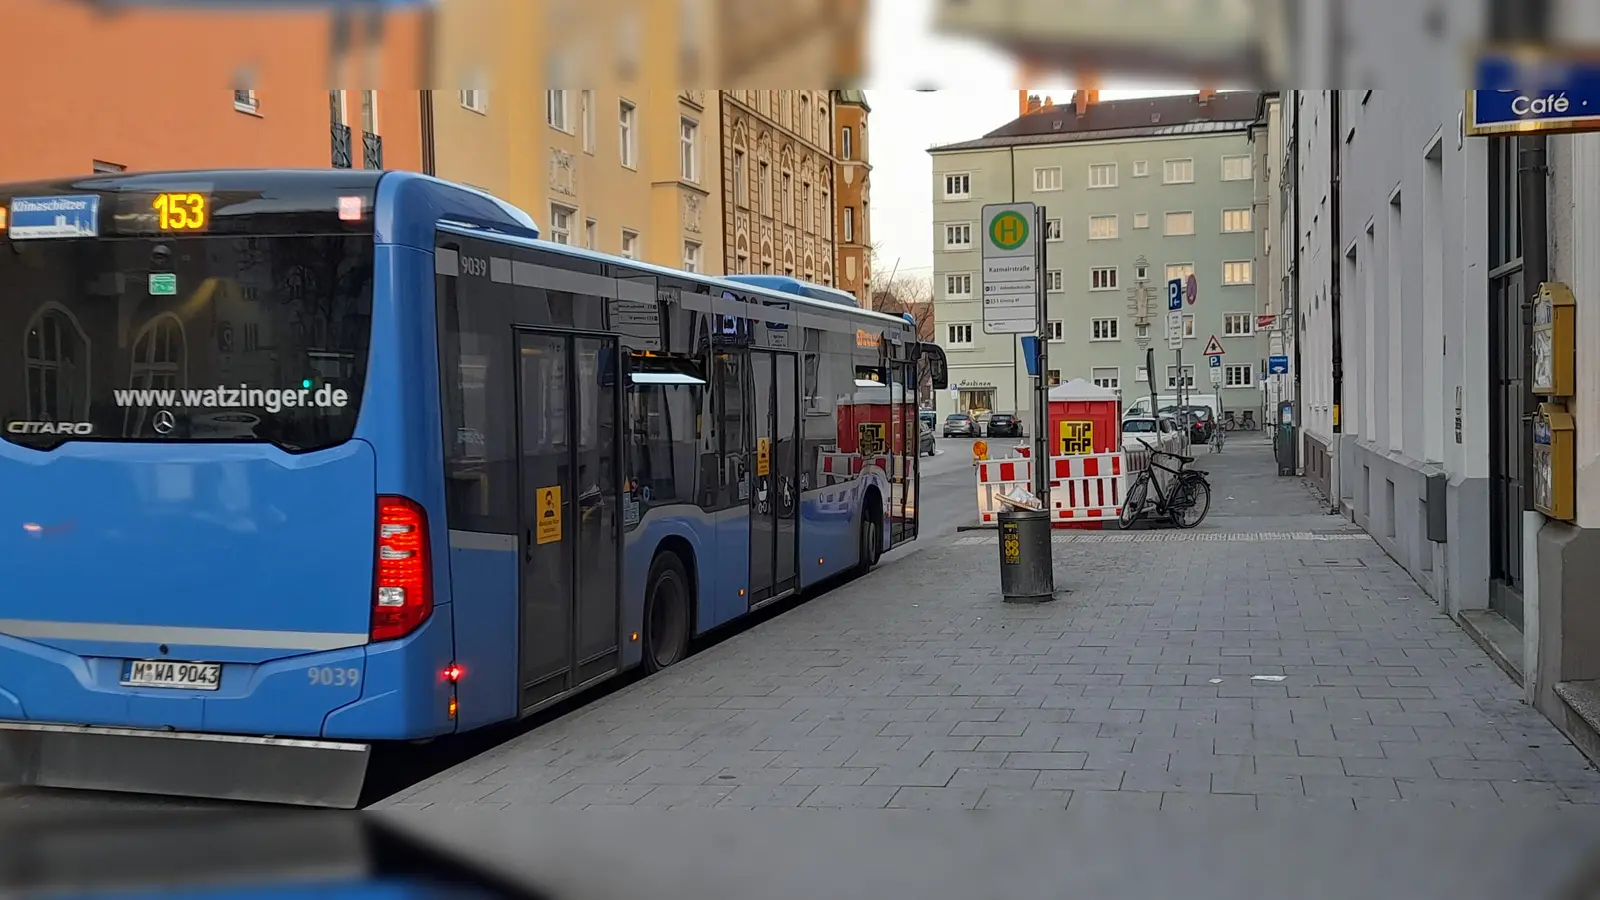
(1133, 501)
(1229, 425)
(1191, 501)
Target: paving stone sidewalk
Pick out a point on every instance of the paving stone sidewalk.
(1273, 658)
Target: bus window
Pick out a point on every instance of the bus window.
(193, 338)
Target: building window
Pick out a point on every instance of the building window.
(589, 238)
(1238, 376)
(958, 286)
(847, 143)
(957, 186)
(555, 103)
(1238, 324)
(1238, 272)
(1179, 223)
(1055, 377)
(809, 207)
(1052, 281)
(1142, 332)
(246, 102)
(849, 223)
(1179, 270)
(1236, 168)
(1103, 278)
(741, 187)
(1103, 329)
(1188, 327)
(1235, 221)
(1052, 229)
(630, 244)
(691, 256)
(689, 150)
(1053, 330)
(101, 167)
(476, 101)
(561, 224)
(586, 101)
(1103, 175)
(1047, 179)
(1141, 220)
(627, 118)
(1106, 377)
(1141, 168)
(958, 236)
(1141, 273)
(1177, 171)
(1102, 228)
(1172, 377)
(764, 186)
(959, 335)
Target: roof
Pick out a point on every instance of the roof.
(854, 98)
(1173, 116)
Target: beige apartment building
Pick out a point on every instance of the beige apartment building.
(587, 142)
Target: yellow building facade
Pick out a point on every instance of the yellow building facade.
(561, 117)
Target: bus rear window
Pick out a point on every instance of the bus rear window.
(252, 339)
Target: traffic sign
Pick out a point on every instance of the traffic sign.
(1174, 294)
(1191, 289)
(1175, 330)
(1010, 269)
(1277, 365)
(1216, 375)
(1213, 347)
(1216, 362)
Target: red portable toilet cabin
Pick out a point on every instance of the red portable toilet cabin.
(1084, 418)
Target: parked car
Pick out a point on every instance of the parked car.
(925, 441)
(1004, 425)
(961, 425)
(1202, 423)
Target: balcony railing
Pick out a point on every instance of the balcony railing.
(341, 146)
(372, 150)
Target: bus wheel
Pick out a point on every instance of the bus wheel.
(871, 538)
(666, 613)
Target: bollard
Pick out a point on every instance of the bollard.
(1026, 572)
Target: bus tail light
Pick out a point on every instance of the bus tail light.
(402, 598)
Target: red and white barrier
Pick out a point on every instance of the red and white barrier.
(1083, 489)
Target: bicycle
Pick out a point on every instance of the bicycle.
(1229, 423)
(1191, 491)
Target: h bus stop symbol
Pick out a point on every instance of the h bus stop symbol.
(548, 530)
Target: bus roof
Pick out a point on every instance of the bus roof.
(790, 285)
(716, 281)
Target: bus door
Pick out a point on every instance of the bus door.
(906, 427)
(775, 501)
(568, 476)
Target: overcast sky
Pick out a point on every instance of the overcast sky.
(976, 93)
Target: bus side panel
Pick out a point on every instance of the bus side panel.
(828, 518)
(694, 527)
(400, 419)
(484, 600)
(724, 593)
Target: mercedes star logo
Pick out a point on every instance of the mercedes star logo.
(164, 422)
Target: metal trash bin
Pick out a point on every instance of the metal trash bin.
(1026, 573)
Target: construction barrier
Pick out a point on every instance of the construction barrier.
(1084, 490)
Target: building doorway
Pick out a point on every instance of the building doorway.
(1509, 399)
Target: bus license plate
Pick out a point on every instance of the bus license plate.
(161, 673)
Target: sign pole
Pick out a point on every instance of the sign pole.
(1041, 413)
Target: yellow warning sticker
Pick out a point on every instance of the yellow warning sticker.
(869, 439)
(763, 457)
(1010, 544)
(1077, 438)
(548, 531)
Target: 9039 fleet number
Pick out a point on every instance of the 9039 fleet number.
(333, 676)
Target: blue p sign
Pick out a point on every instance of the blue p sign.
(1175, 294)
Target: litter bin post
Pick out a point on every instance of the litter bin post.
(1026, 569)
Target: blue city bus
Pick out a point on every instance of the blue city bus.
(302, 462)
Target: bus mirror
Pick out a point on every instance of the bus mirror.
(935, 364)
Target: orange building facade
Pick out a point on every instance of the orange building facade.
(162, 89)
(852, 177)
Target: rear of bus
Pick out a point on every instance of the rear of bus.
(190, 486)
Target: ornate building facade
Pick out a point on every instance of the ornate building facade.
(778, 194)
